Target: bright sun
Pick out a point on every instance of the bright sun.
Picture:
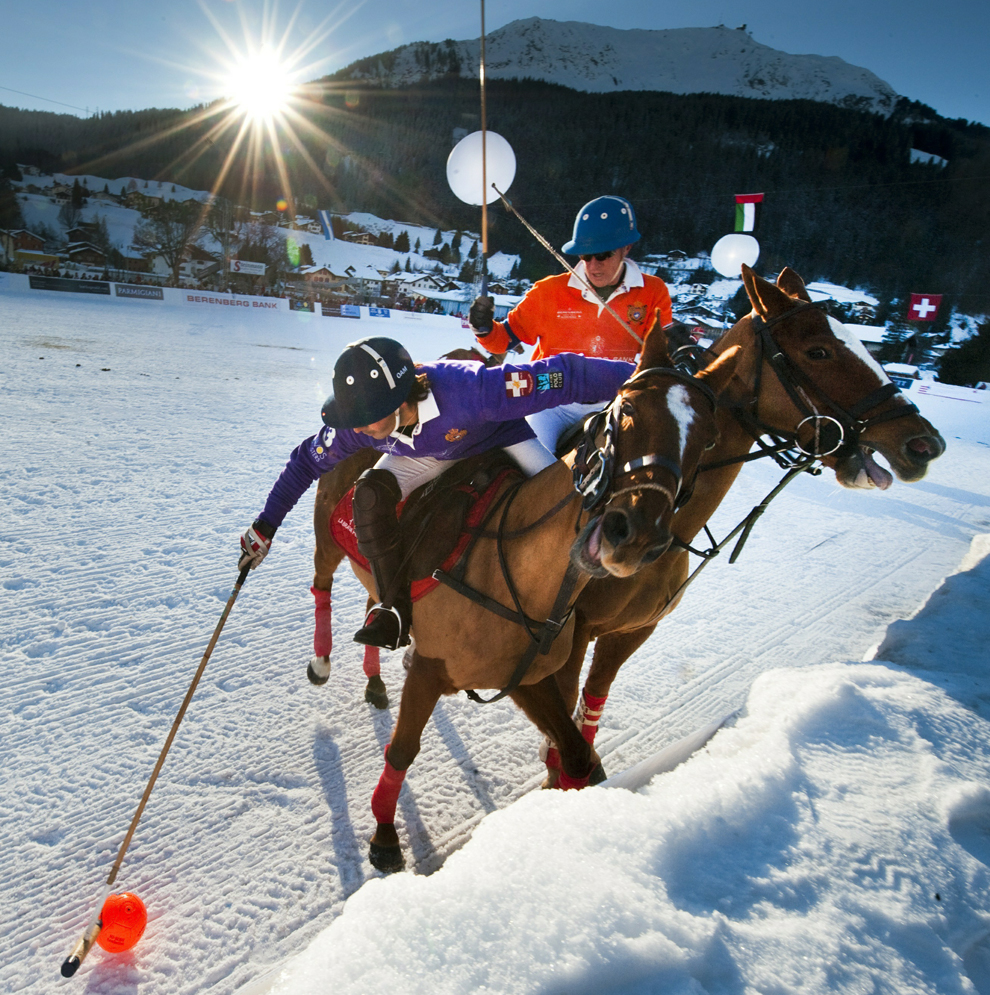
(260, 85)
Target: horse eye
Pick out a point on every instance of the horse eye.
(627, 409)
(818, 353)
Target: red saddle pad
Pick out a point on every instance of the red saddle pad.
(342, 530)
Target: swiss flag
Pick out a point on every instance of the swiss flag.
(924, 307)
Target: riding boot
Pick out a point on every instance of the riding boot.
(376, 494)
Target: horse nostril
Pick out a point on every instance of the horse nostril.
(923, 449)
(655, 552)
(615, 527)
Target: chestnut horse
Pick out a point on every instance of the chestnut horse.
(800, 378)
(643, 457)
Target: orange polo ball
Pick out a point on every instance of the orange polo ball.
(124, 918)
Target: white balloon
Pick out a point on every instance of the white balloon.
(731, 251)
(464, 167)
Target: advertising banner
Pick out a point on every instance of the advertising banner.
(70, 286)
(341, 311)
(243, 266)
(379, 312)
(301, 305)
(202, 299)
(139, 291)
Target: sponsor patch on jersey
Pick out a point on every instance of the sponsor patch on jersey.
(455, 434)
(636, 312)
(550, 381)
(569, 314)
(323, 442)
(518, 383)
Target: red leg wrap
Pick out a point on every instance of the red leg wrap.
(566, 783)
(386, 795)
(553, 758)
(589, 712)
(372, 661)
(322, 635)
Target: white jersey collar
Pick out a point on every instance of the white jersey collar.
(426, 410)
(631, 279)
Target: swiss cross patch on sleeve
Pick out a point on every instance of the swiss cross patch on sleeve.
(518, 383)
(550, 381)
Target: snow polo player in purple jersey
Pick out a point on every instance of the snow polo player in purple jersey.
(423, 418)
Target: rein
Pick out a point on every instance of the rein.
(795, 382)
(836, 432)
(594, 480)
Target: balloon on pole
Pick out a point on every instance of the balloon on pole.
(731, 251)
(464, 167)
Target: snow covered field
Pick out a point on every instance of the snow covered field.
(802, 850)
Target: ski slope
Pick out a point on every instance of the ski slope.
(139, 441)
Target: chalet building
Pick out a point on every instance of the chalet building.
(81, 233)
(85, 254)
(321, 277)
(61, 193)
(360, 237)
(20, 240)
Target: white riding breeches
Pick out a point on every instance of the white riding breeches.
(551, 424)
(414, 471)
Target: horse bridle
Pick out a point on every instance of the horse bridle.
(595, 472)
(837, 432)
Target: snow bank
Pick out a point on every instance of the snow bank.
(834, 839)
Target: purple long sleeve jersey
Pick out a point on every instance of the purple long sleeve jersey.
(471, 409)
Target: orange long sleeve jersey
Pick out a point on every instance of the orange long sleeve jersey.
(560, 314)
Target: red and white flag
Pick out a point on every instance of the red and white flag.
(924, 307)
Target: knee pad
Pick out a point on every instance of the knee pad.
(376, 494)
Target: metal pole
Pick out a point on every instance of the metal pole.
(484, 165)
(71, 963)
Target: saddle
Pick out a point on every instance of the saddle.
(436, 520)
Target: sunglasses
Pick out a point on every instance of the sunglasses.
(599, 257)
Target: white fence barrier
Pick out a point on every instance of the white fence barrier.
(205, 300)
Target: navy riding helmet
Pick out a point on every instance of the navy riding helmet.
(371, 379)
(603, 224)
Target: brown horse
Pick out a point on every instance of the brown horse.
(802, 378)
(647, 447)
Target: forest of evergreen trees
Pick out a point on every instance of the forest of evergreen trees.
(843, 201)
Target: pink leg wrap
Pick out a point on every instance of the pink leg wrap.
(372, 661)
(386, 795)
(322, 635)
(589, 712)
(566, 783)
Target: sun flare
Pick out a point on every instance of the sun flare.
(260, 86)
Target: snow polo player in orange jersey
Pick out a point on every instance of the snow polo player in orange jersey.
(560, 314)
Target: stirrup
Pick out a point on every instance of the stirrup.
(377, 632)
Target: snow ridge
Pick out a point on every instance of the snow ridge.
(599, 59)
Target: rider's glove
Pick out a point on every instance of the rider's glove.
(482, 315)
(255, 544)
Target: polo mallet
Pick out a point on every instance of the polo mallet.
(563, 262)
(71, 963)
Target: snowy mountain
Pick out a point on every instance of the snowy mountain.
(598, 59)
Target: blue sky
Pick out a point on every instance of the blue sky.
(129, 54)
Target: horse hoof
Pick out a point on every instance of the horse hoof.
(387, 859)
(597, 774)
(318, 670)
(375, 693)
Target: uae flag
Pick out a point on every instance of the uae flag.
(747, 210)
(924, 307)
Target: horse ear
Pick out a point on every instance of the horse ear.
(717, 375)
(792, 284)
(764, 296)
(654, 347)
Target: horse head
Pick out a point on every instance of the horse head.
(814, 380)
(637, 463)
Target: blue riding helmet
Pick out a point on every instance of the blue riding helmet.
(603, 224)
(371, 379)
